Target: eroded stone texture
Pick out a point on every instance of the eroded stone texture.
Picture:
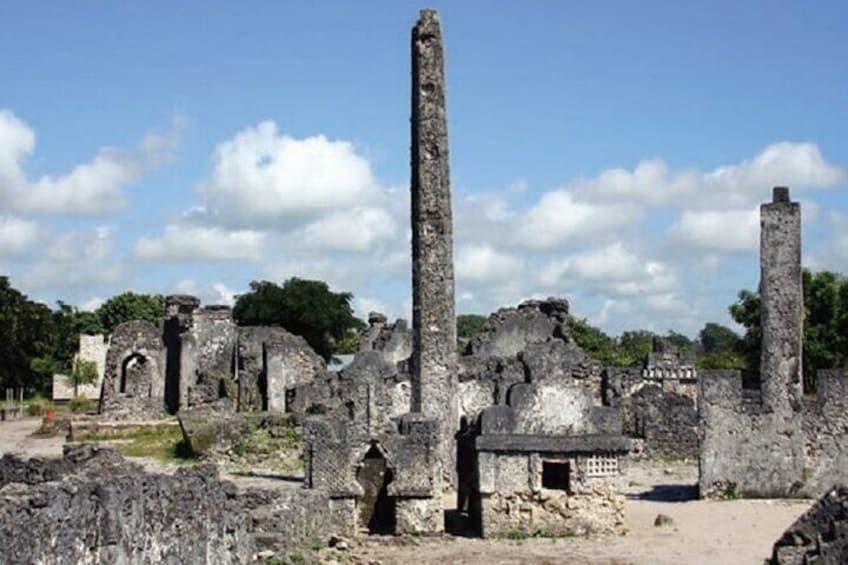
(95, 507)
(771, 443)
(207, 357)
(134, 378)
(394, 341)
(781, 303)
(820, 535)
(271, 361)
(433, 317)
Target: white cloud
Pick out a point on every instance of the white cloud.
(798, 165)
(90, 188)
(613, 270)
(225, 295)
(483, 264)
(356, 229)
(198, 243)
(262, 176)
(558, 218)
(76, 259)
(729, 231)
(16, 235)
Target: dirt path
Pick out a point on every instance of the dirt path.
(15, 437)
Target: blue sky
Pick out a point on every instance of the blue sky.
(611, 152)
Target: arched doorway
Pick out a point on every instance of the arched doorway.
(133, 374)
(376, 509)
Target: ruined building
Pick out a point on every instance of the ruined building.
(658, 402)
(773, 442)
(199, 356)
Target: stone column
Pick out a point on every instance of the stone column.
(782, 303)
(434, 321)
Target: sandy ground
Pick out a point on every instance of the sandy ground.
(704, 531)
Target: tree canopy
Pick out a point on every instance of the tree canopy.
(130, 306)
(307, 308)
(825, 324)
(469, 324)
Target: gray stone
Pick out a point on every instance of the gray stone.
(663, 520)
(433, 317)
(820, 535)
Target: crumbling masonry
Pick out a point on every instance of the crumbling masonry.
(772, 442)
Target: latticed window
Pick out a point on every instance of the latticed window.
(601, 466)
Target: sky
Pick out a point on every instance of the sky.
(614, 153)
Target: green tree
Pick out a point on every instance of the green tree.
(594, 342)
(634, 346)
(469, 324)
(721, 348)
(307, 308)
(27, 334)
(84, 372)
(130, 306)
(825, 324)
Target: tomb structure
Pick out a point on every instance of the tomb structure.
(772, 442)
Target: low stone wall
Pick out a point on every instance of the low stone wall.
(820, 535)
(93, 506)
(553, 513)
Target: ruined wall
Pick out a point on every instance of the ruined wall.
(820, 535)
(513, 501)
(94, 507)
(134, 379)
(394, 341)
(91, 348)
(825, 422)
(270, 361)
(746, 449)
(207, 357)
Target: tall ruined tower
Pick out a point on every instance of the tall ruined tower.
(433, 318)
(781, 303)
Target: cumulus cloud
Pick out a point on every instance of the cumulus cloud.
(198, 243)
(559, 218)
(612, 269)
(16, 235)
(76, 259)
(262, 176)
(652, 182)
(483, 264)
(730, 231)
(91, 188)
(355, 229)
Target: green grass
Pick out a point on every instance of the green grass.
(164, 444)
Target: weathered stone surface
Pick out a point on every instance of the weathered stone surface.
(207, 357)
(271, 361)
(134, 379)
(94, 507)
(433, 317)
(510, 331)
(92, 348)
(394, 341)
(781, 303)
(771, 443)
(820, 535)
(212, 430)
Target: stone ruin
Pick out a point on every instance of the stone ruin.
(658, 403)
(531, 432)
(820, 535)
(198, 356)
(92, 348)
(771, 441)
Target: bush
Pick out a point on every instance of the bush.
(81, 405)
(37, 406)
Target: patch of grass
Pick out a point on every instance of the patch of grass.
(164, 444)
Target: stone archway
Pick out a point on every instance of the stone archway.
(375, 508)
(135, 378)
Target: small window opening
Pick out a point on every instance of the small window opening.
(556, 475)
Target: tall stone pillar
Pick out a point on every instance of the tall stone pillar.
(433, 318)
(782, 303)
